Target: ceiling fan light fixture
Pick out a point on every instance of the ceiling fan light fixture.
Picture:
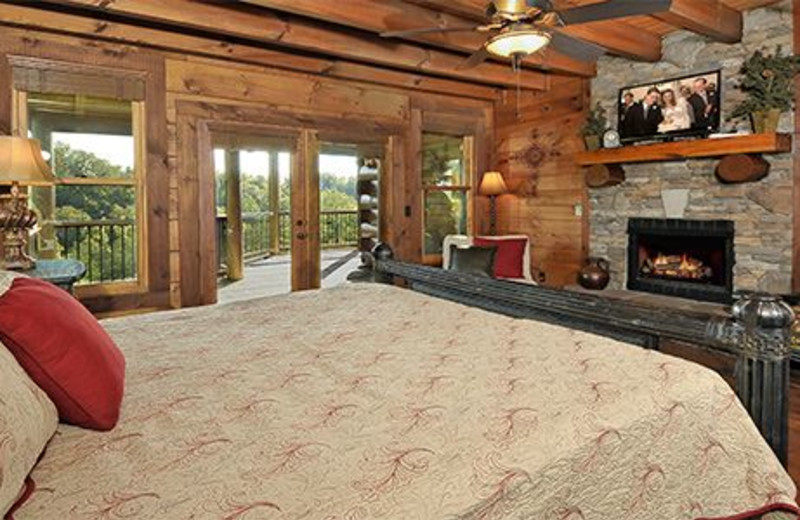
(520, 42)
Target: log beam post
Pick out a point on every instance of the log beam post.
(233, 232)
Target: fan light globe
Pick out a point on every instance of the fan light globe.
(518, 43)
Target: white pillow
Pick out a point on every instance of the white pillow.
(28, 419)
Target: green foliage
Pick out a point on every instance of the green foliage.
(441, 165)
(596, 123)
(91, 202)
(768, 81)
(336, 200)
(109, 251)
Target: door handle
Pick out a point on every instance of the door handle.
(302, 235)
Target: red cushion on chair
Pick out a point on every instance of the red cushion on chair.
(508, 262)
(65, 351)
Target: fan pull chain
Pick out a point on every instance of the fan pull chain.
(516, 65)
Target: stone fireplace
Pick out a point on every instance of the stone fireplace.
(682, 258)
(762, 212)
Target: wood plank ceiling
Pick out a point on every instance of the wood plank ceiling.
(345, 35)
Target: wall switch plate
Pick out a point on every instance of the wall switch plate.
(578, 210)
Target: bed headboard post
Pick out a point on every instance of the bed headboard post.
(762, 341)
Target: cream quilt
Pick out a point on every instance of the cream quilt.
(375, 402)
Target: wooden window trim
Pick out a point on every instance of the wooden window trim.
(469, 161)
(138, 182)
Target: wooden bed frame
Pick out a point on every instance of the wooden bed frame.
(757, 330)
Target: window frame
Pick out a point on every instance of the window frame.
(138, 181)
(468, 158)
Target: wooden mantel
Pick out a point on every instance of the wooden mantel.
(678, 150)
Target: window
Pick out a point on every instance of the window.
(446, 183)
(93, 213)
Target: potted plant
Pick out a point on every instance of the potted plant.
(768, 82)
(594, 127)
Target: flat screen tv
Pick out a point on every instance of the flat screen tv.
(688, 106)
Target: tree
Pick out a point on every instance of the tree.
(107, 249)
(441, 162)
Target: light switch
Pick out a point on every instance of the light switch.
(578, 209)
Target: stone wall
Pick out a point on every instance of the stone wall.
(689, 189)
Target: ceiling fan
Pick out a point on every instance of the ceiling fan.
(524, 27)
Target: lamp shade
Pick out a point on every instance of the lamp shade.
(493, 184)
(21, 161)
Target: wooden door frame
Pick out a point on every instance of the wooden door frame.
(195, 122)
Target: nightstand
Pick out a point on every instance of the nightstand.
(63, 273)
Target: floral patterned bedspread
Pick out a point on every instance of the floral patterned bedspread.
(370, 401)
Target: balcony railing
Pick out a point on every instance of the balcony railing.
(338, 228)
(108, 248)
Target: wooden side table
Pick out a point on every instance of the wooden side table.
(63, 273)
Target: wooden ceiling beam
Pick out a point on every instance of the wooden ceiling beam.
(395, 15)
(253, 25)
(711, 18)
(619, 37)
(26, 18)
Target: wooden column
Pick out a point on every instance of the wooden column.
(305, 214)
(274, 204)
(233, 235)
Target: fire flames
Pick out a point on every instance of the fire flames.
(677, 266)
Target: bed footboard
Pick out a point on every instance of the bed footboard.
(757, 330)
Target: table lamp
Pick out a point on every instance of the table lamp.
(492, 185)
(21, 164)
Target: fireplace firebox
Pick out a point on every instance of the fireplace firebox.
(684, 258)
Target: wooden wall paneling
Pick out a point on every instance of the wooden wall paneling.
(535, 154)
(260, 115)
(244, 82)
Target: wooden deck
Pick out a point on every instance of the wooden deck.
(272, 276)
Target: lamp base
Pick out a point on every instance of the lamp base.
(493, 215)
(15, 221)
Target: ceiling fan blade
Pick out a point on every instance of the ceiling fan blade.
(476, 59)
(575, 48)
(429, 30)
(612, 9)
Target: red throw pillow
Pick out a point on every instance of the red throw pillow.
(65, 351)
(508, 262)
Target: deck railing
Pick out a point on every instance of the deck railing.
(108, 248)
(338, 228)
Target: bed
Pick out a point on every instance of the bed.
(371, 401)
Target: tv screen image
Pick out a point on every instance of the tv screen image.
(685, 106)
